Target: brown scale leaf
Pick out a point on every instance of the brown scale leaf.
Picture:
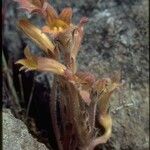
(66, 15)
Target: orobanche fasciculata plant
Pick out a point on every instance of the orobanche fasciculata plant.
(82, 99)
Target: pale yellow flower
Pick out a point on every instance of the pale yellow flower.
(57, 23)
(37, 36)
(32, 62)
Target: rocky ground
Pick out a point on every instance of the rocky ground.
(16, 135)
(116, 39)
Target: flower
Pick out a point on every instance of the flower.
(105, 88)
(32, 6)
(37, 36)
(66, 36)
(57, 23)
(69, 43)
(32, 62)
(29, 63)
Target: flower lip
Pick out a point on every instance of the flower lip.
(56, 27)
(57, 23)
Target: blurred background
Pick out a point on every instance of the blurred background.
(116, 39)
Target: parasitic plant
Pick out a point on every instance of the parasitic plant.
(82, 99)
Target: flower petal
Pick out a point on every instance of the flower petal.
(78, 35)
(47, 64)
(100, 85)
(38, 3)
(77, 39)
(106, 90)
(51, 14)
(29, 63)
(28, 54)
(32, 62)
(37, 36)
(33, 6)
(27, 5)
(66, 15)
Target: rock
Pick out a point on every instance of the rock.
(115, 41)
(16, 135)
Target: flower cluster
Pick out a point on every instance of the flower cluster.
(88, 98)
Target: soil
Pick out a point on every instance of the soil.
(116, 39)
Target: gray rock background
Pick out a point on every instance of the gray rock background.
(16, 135)
(116, 39)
